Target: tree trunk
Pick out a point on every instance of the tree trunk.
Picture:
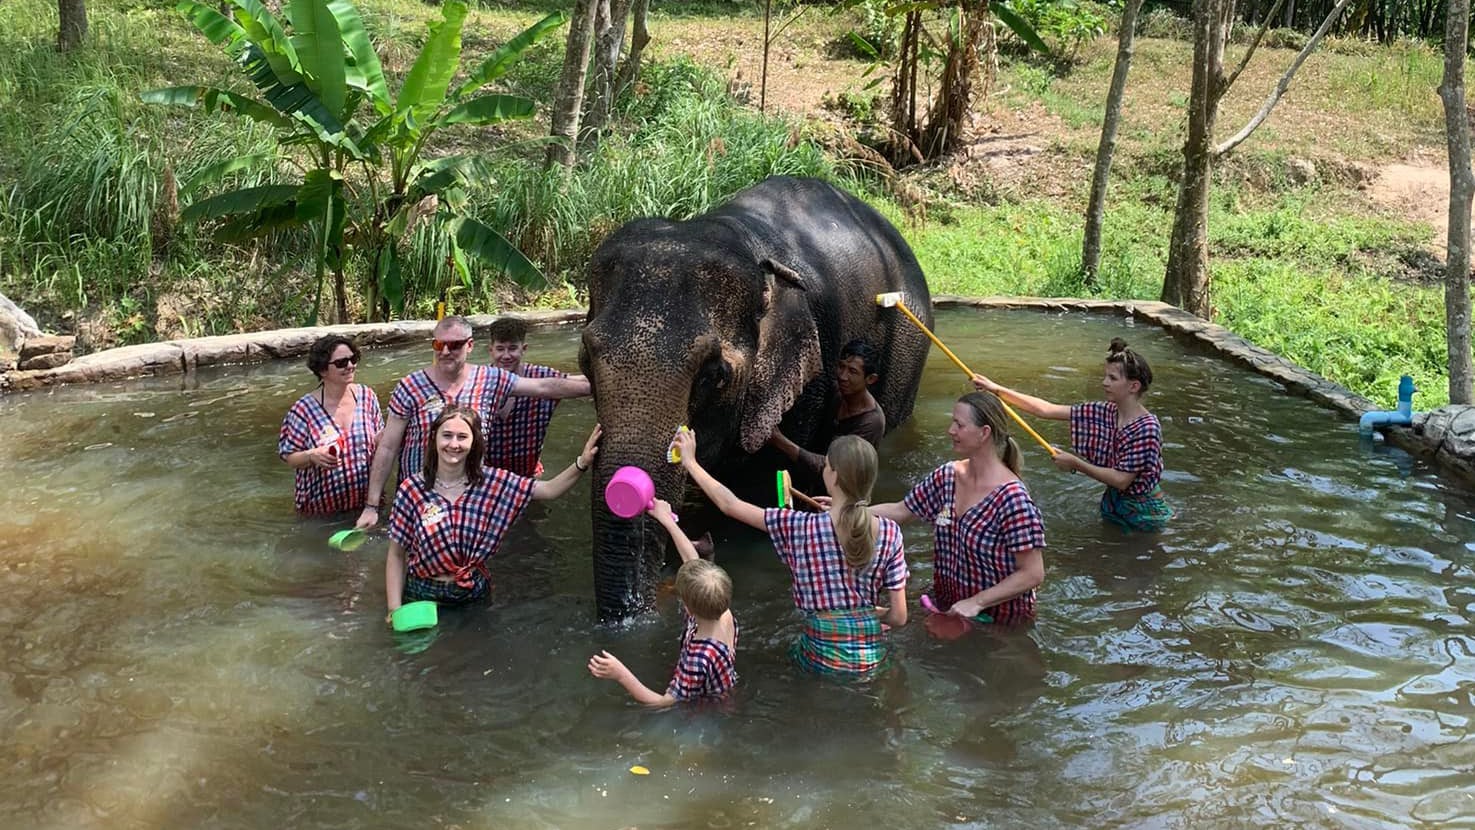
(1186, 283)
(1461, 190)
(948, 118)
(568, 102)
(609, 42)
(1096, 206)
(1290, 18)
(639, 38)
(904, 94)
(73, 30)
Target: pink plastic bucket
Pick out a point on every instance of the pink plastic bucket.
(629, 492)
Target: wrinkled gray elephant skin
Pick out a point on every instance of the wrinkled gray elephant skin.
(730, 322)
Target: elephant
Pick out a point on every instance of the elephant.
(731, 323)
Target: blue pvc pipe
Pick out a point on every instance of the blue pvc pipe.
(1403, 416)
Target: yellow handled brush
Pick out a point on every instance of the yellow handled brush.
(893, 299)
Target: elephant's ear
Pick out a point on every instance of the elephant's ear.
(787, 358)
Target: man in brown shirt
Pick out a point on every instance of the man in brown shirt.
(858, 413)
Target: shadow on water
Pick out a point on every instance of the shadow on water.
(180, 651)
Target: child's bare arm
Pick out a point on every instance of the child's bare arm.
(661, 510)
(609, 667)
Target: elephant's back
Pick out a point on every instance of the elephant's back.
(853, 253)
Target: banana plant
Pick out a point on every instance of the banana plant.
(364, 184)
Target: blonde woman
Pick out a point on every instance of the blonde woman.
(843, 560)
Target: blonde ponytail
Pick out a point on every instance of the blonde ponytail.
(854, 463)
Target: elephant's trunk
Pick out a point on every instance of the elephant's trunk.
(628, 553)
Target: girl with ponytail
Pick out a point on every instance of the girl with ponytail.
(987, 531)
(1116, 441)
(843, 560)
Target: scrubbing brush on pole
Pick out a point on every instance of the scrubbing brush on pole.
(895, 299)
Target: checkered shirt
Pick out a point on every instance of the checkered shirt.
(976, 550)
(807, 543)
(441, 538)
(1135, 448)
(419, 401)
(706, 668)
(515, 440)
(321, 491)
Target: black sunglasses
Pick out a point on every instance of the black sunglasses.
(343, 362)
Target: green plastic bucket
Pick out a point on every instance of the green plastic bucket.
(351, 539)
(414, 616)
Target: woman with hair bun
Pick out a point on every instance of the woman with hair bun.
(1116, 441)
(987, 531)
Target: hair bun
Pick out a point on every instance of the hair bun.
(1117, 346)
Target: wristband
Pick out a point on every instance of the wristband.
(373, 507)
(577, 466)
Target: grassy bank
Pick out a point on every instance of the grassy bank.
(1308, 269)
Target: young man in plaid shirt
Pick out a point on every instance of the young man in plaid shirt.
(1117, 441)
(450, 381)
(707, 666)
(987, 531)
(516, 430)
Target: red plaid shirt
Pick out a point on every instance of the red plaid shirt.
(706, 668)
(441, 538)
(1135, 448)
(807, 543)
(976, 550)
(515, 440)
(319, 491)
(419, 401)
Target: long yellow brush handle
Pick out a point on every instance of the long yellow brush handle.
(969, 372)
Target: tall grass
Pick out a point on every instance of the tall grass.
(690, 148)
(83, 164)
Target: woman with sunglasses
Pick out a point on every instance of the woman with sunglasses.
(328, 435)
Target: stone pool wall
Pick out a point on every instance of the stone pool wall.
(1446, 435)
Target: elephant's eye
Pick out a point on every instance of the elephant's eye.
(714, 374)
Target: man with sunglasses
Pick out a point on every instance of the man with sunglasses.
(419, 398)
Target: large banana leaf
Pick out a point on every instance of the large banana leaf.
(391, 280)
(435, 177)
(319, 47)
(215, 99)
(248, 226)
(366, 73)
(296, 100)
(245, 200)
(1020, 27)
(497, 63)
(216, 27)
(210, 174)
(424, 89)
(270, 39)
(489, 109)
(493, 249)
(321, 198)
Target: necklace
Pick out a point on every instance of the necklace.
(451, 485)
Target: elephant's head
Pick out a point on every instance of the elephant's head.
(684, 330)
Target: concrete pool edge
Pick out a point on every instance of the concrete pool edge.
(1446, 435)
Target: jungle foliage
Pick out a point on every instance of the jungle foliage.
(365, 183)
